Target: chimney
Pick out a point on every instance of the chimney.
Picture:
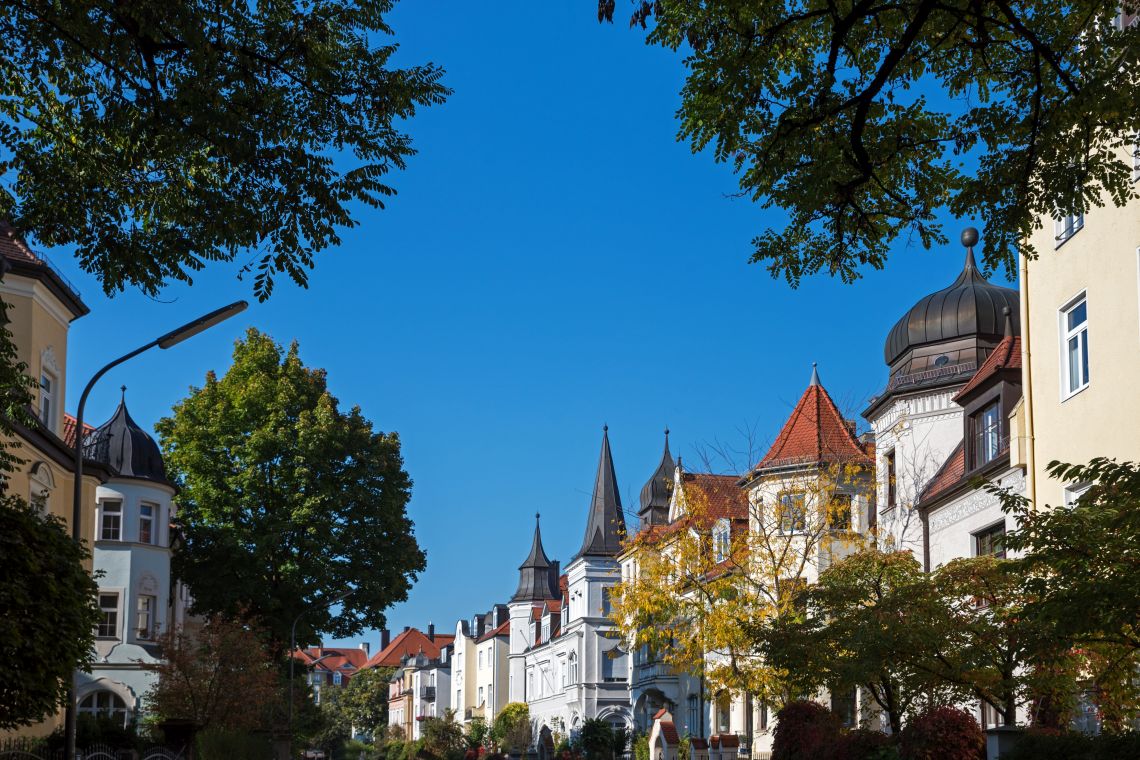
(407, 628)
(364, 647)
(431, 631)
(385, 639)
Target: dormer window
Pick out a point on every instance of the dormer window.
(986, 434)
(722, 541)
(546, 628)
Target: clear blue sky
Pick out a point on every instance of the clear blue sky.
(554, 261)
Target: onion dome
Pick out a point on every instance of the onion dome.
(656, 491)
(121, 444)
(970, 307)
(534, 572)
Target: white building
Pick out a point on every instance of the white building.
(132, 551)
(566, 662)
(431, 687)
(479, 670)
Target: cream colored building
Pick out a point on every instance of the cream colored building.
(1080, 305)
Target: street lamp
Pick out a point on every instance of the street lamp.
(293, 648)
(170, 339)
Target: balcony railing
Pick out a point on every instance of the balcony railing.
(427, 693)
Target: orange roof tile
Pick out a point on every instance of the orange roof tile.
(1007, 355)
(502, 630)
(815, 432)
(409, 643)
(69, 430)
(334, 658)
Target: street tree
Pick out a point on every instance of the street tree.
(512, 730)
(49, 619)
(217, 676)
(860, 121)
(287, 500)
(363, 703)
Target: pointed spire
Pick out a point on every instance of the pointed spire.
(534, 572)
(605, 526)
(814, 375)
(655, 493)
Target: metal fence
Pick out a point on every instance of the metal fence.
(22, 748)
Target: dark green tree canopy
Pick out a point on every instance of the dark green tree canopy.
(861, 119)
(156, 136)
(49, 614)
(287, 500)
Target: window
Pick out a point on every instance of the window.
(615, 665)
(480, 658)
(839, 514)
(146, 523)
(722, 541)
(1075, 347)
(337, 678)
(989, 542)
(723, 713)
(144, 618)
(991, 718)
(1074, 491)
(763, 715)
(480, 696)
(843, 706)
(607, 602)
(1068, 225)
(792, 516)
(987, 435)
(112, 521)
(891, 476)
(47, 398)
(105, 703)
(562, 667)
(530, 683)
(546, 629)
(692, 713)
(573, 667)
(108, 627)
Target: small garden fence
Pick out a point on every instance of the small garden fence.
(21, 748)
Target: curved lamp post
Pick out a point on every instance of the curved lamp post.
(170, 339)
(293, 648)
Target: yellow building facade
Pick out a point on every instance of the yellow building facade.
(1080, 304)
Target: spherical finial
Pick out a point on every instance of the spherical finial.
(605, 428)
(536, 516)
(666, 431)
(970, 237)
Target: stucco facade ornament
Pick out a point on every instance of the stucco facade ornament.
(972, 503)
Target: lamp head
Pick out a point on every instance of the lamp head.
(190, 329)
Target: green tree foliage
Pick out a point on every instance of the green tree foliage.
(363, 702)
(1081, 570)
(511, 729)
(598, 740)
(860, 120)
(49, 613)
(478, 733)
(287, 500)
(154, 137)
(443, 737)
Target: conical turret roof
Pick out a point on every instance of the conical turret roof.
(534, 572)
(123, 445)
(655, 493)
(605, 526)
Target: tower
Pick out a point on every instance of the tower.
(536, 586)
(654, 507)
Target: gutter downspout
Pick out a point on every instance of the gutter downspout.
(1027, 385)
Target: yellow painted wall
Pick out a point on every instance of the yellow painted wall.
(1103, 419)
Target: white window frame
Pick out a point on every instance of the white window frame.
(1074, 491)
(47, 397)
(722, 541)
(1081, 333)
(151, 520)
(101, 625)
(144, 617)
(1065, 227)
(117, 513)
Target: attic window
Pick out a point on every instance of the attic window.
(942, 361)
(986, 426)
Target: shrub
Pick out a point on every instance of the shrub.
(1070, 745)
(943, 733)
(804, 731)
(863, 744)
(641, 747)
(219, 744)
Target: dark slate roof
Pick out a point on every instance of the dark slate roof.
(970, 305)
(126, 448)
(605, 526)
(534, 572)
(655, 493)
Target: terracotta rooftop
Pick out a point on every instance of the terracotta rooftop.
(502, 630)
(12, 246)
(1007, 355)
(815, 432)
(410, 642)
(335, 658)
(948, 474)
(69, 430)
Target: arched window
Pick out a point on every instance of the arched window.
(41, 483)
(722, 541)
(106, 704)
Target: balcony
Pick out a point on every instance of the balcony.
(427, 693)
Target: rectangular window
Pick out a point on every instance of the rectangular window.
(47, 398)
(722, 541)
(109, 616)
(839, 514)
(1067, 226)
(112, 521)
(991, 718)
(145, 618)
(891, 476)
(546, 629)
(146, 523)
(692, 713)
(987, 434)
(793, 518)
(607, 603)
(763, 715)
(1075, 347)
(843, 706)
(615, 666)
(480, 658)
(989, 542)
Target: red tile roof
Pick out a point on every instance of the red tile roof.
(410, 643)
(948, 474)
(502, 630)
(721, 494)
(695, 742)
(1007, 355)
(815, 432)
(334, 657)
(12, 246)
(69, 430)
(669, 731)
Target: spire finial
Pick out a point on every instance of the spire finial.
(123, 388)
(1008, 321)
(605, 428)
(814, 375)
(969, 239)
(536, 516)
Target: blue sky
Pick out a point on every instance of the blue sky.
(554, 261)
